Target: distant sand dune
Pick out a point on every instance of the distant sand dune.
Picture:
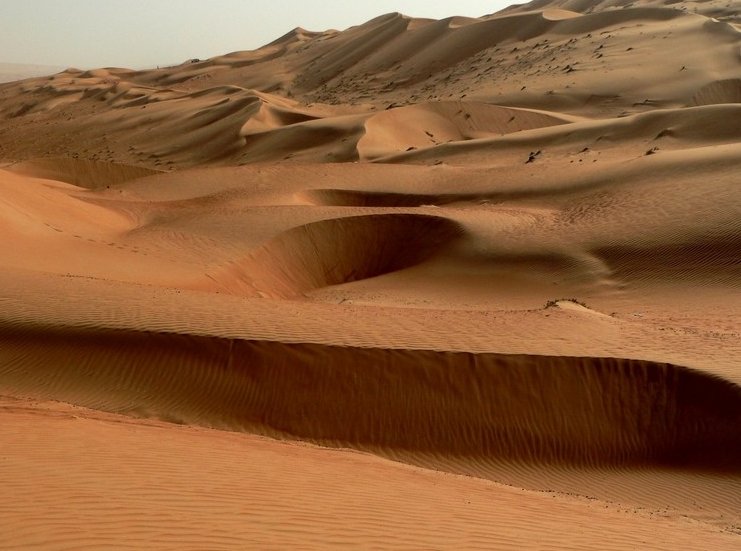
(711, 124)
(427, 125)
(81, 172)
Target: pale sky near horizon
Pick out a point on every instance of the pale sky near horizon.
(145, 33)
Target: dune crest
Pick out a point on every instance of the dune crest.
(490, 407)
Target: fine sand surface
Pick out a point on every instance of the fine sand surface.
(471, 283)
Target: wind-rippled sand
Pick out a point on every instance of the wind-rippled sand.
(470, 283)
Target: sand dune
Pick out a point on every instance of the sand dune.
(305, 494)
(287, 297)
(491, 407)
(655, 57)
(427, 125)
(698, 126)
(712, 8)
(332, 252)
(80, 172)
(721, 91)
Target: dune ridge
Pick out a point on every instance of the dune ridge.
(425, 70)
(157, 510)
(81, 172)
(492, 406)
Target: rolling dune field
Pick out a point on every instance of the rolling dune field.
(417, 284)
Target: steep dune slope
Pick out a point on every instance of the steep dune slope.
(279, 495)
(542, 409)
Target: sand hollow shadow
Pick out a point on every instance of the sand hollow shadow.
(534, 409)
(356, 198)
(335, 251)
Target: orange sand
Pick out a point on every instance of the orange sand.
(470, 283)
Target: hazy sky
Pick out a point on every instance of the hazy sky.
(145, 33)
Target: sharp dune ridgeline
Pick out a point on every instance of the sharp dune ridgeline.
(468, 283)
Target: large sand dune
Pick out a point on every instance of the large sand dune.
(470, 283)
(273, 495)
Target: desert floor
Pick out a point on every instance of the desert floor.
(470, 283)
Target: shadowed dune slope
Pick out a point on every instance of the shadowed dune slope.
(244, 491)
(359, 198)
(721, 91)
(696, 126)
(714, 261)
(81, 172)
(155, 127)
(426, 125)
(528, 408)
(450, 80)
(336, 251)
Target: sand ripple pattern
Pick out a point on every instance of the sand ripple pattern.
(589, 411)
